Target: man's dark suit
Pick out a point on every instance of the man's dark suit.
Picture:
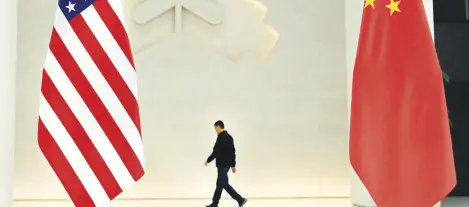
(225, 154)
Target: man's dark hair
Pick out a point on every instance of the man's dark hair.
(220, 124)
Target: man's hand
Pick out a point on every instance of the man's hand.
(206, 163)
(233, 169)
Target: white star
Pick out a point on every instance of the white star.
(70, 7)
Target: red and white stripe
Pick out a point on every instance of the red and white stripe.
(89, 125)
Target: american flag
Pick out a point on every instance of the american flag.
(89, 124)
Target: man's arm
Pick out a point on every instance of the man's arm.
(214, 153)
(233, 152)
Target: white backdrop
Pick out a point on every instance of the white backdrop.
(288, 114)
(8, 34)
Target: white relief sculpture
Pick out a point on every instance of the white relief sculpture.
(208, 10)
(232, 28)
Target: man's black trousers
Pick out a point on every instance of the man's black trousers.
(222, 183)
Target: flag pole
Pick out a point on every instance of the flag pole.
(8, 36)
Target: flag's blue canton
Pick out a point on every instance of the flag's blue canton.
(71, 8)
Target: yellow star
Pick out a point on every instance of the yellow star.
(393, 6)
(369, 3)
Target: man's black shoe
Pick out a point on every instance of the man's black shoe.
(211, 205)
(241, 204)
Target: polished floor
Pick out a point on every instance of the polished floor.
(450, 202)
(201, 203)
(456, 202)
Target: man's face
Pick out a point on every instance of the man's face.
(218, 129)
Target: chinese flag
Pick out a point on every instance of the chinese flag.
(400, 144)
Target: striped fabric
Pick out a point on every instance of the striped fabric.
(89, 125)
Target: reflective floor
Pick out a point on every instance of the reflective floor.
(456, 202)
(450, 202)
(201, 203)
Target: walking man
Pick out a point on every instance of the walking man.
(225, 154)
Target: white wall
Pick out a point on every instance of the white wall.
(7, 92)
(288, 113)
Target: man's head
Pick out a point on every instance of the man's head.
(219, 127)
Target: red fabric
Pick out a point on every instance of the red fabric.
(400, 144)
